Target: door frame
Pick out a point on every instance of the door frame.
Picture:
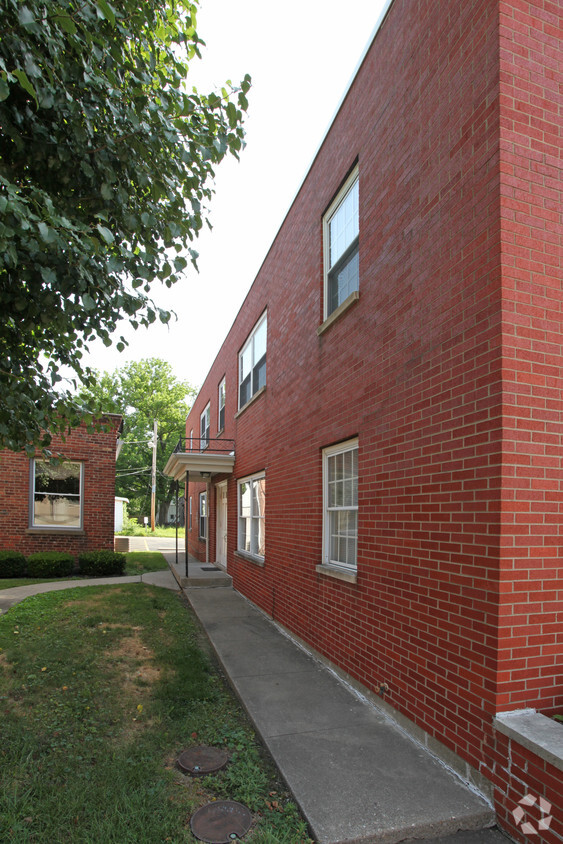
(221, 539)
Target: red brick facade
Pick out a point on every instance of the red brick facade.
(96, 450)
(447, 369)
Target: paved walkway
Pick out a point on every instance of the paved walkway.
(355, 775)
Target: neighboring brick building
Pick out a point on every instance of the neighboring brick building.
(66, 507)
(392, 494)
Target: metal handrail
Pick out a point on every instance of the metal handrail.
(201, 445)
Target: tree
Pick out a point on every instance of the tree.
(106, 167)
(142, 392)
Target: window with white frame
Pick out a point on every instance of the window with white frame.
(190, 515)
(204, 426)
(222, 397)
(341, 228)
(340, 500)
(57, 490)
(252, 362)
(252, 515)
(203, 515)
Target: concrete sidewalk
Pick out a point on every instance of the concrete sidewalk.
(10, 597)
(355, 775)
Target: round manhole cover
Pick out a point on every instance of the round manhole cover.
(202, 760)
(221, 822)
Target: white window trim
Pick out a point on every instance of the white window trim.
(333, 207)
(206, 415)
(32, 524)
(221, 407)
(256, 477)
(190, 514)
(339, 448)
(203, 498)
(249, 341)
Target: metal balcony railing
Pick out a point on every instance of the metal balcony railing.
(204, 445)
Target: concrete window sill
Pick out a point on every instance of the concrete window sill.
(55, 531)
(338, 574)
(534, 731)
(251, 401)
(341, 309)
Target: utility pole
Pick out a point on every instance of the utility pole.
(153, 476)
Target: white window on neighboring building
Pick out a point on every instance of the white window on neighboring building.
(252, 362)
(222, 397)
(203, 515)
(205, 425)
(57, 491)
(251, 516)
(340, 505)
(341, 228)
(190, 515)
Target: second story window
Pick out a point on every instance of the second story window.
(222, 394)
(341, 228)
(204, 427)
(252, 362)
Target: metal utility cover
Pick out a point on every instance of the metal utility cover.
(201, 760)
(221, 822)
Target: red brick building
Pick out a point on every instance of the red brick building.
(392, 390)
(61, 507)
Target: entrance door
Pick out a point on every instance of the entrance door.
(221, 544)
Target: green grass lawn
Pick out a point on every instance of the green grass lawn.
(138, 562)
(137, 530)
(101, 688)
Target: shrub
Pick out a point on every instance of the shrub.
(101, 563)
(50, 564)
(12, 564)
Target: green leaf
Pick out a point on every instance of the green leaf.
(23, 79)
(25, 16)
(47, 233)
(106, 234)
(88, 302)
(66, 24)
(105, 11)
(4, 90)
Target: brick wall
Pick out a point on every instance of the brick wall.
(96, 450)
(447, 370)
(531, 600)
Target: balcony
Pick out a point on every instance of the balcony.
(202, 458)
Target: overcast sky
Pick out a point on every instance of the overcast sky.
(301, 56)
